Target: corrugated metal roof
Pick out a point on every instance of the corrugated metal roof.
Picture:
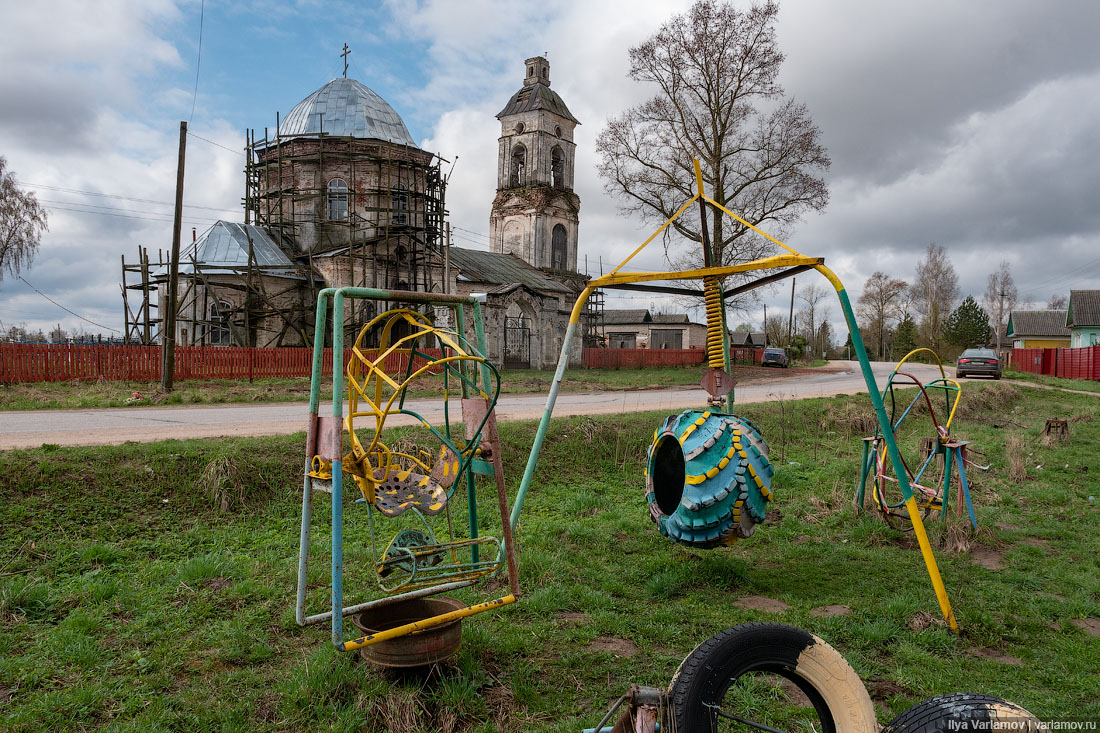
(670, 318)
(500, 269)
(1037, 323)
(534, 97)
(223, 248)
(1084, 308)
(346, 108)
(626, 316)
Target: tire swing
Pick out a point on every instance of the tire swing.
(727, 677)
(964, 711)
(708, 478)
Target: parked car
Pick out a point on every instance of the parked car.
(973, 362)
(775, 357)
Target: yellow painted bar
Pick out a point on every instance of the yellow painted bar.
(762, 264)
(930, 563)
(654, 235)
(427, 623)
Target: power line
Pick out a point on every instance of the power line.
(198, 62)
(100, 325)
(117, 196)
(217, 145)
(128, 216)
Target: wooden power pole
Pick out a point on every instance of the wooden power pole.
(168, 341)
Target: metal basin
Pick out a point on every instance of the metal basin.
(413, 650)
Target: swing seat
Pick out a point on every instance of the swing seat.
(404, 490)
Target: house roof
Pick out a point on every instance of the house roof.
(501, 269)
(670, 318)
(223, 249)
(1037, 323)
(1084, 308)
(626, 316)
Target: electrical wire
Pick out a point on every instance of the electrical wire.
(198, 62)
(100, 325)
(217, 145)
(168, 219)
(117, 196)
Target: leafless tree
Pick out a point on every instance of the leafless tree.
(718, 100)
(1000, 298)
(1057, 303)
(936, 288)
(775, 330)
(813, 312)
(878, 306)
(22, 221)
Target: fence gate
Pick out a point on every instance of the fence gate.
(517, 343)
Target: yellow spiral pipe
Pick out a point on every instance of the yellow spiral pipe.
(715, 342)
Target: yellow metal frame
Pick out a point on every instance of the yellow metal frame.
(791, 258)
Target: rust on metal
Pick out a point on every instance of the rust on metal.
(717, 383)
(330, 431)
(414, 650)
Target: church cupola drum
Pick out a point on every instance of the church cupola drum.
(535, 212)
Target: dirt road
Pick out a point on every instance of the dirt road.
(27, 429)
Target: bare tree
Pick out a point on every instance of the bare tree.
(936, 288)
(775, 330)
(718, 99)
(812, 314)
(22, 221)
(1057, 303)
(879, 305)
(1000, 298)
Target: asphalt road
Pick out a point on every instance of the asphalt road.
(27, 429)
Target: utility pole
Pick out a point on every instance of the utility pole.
(447, 261)
(168, 340)
(790, 315)
(765, 329)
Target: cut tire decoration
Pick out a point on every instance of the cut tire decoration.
(708, 478)
(838, 697)
(964, 711)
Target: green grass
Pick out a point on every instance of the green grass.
(84, 395)
(1085, 385)
(131, 600)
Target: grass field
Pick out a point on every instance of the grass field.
(1085, 385)
(149, 587)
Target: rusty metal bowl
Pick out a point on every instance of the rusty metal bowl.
(414, 650)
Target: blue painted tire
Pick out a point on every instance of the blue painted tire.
(708, 478)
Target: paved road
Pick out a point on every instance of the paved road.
(25, 429)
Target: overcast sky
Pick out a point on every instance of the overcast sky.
(975, 125)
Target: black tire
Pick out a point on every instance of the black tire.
(963, 711)
(835, 691)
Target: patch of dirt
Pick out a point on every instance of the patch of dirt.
(1088, 625)
(880, 688)
(618, 647)
(1036, 542)
(761, 603)
(773, 516)
(996, 656)
(267, 708)
(987, 557)
(923, 620)
(802, 539)
(6, 694)
(797, 696)
(217, 584)
(573, 617)
(830, 611)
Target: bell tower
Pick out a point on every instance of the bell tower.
(535, 213)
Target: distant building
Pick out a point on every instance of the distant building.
(1038, 329)
(640, 329)
(1083, 317)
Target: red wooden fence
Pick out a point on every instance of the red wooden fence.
(641, 358)
(1081, 363)
(63, 362)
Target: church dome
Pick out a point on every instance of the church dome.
(346, 108)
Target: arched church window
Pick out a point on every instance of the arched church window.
(557, 167)
(399, 204)
(519, 165)
(520, 127)
(557, 130)
(337, 199)
(217, 332)
(557, 248)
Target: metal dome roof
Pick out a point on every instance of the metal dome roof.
(346, 108)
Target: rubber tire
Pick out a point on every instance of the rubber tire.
(815, 667)
(955, 710)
